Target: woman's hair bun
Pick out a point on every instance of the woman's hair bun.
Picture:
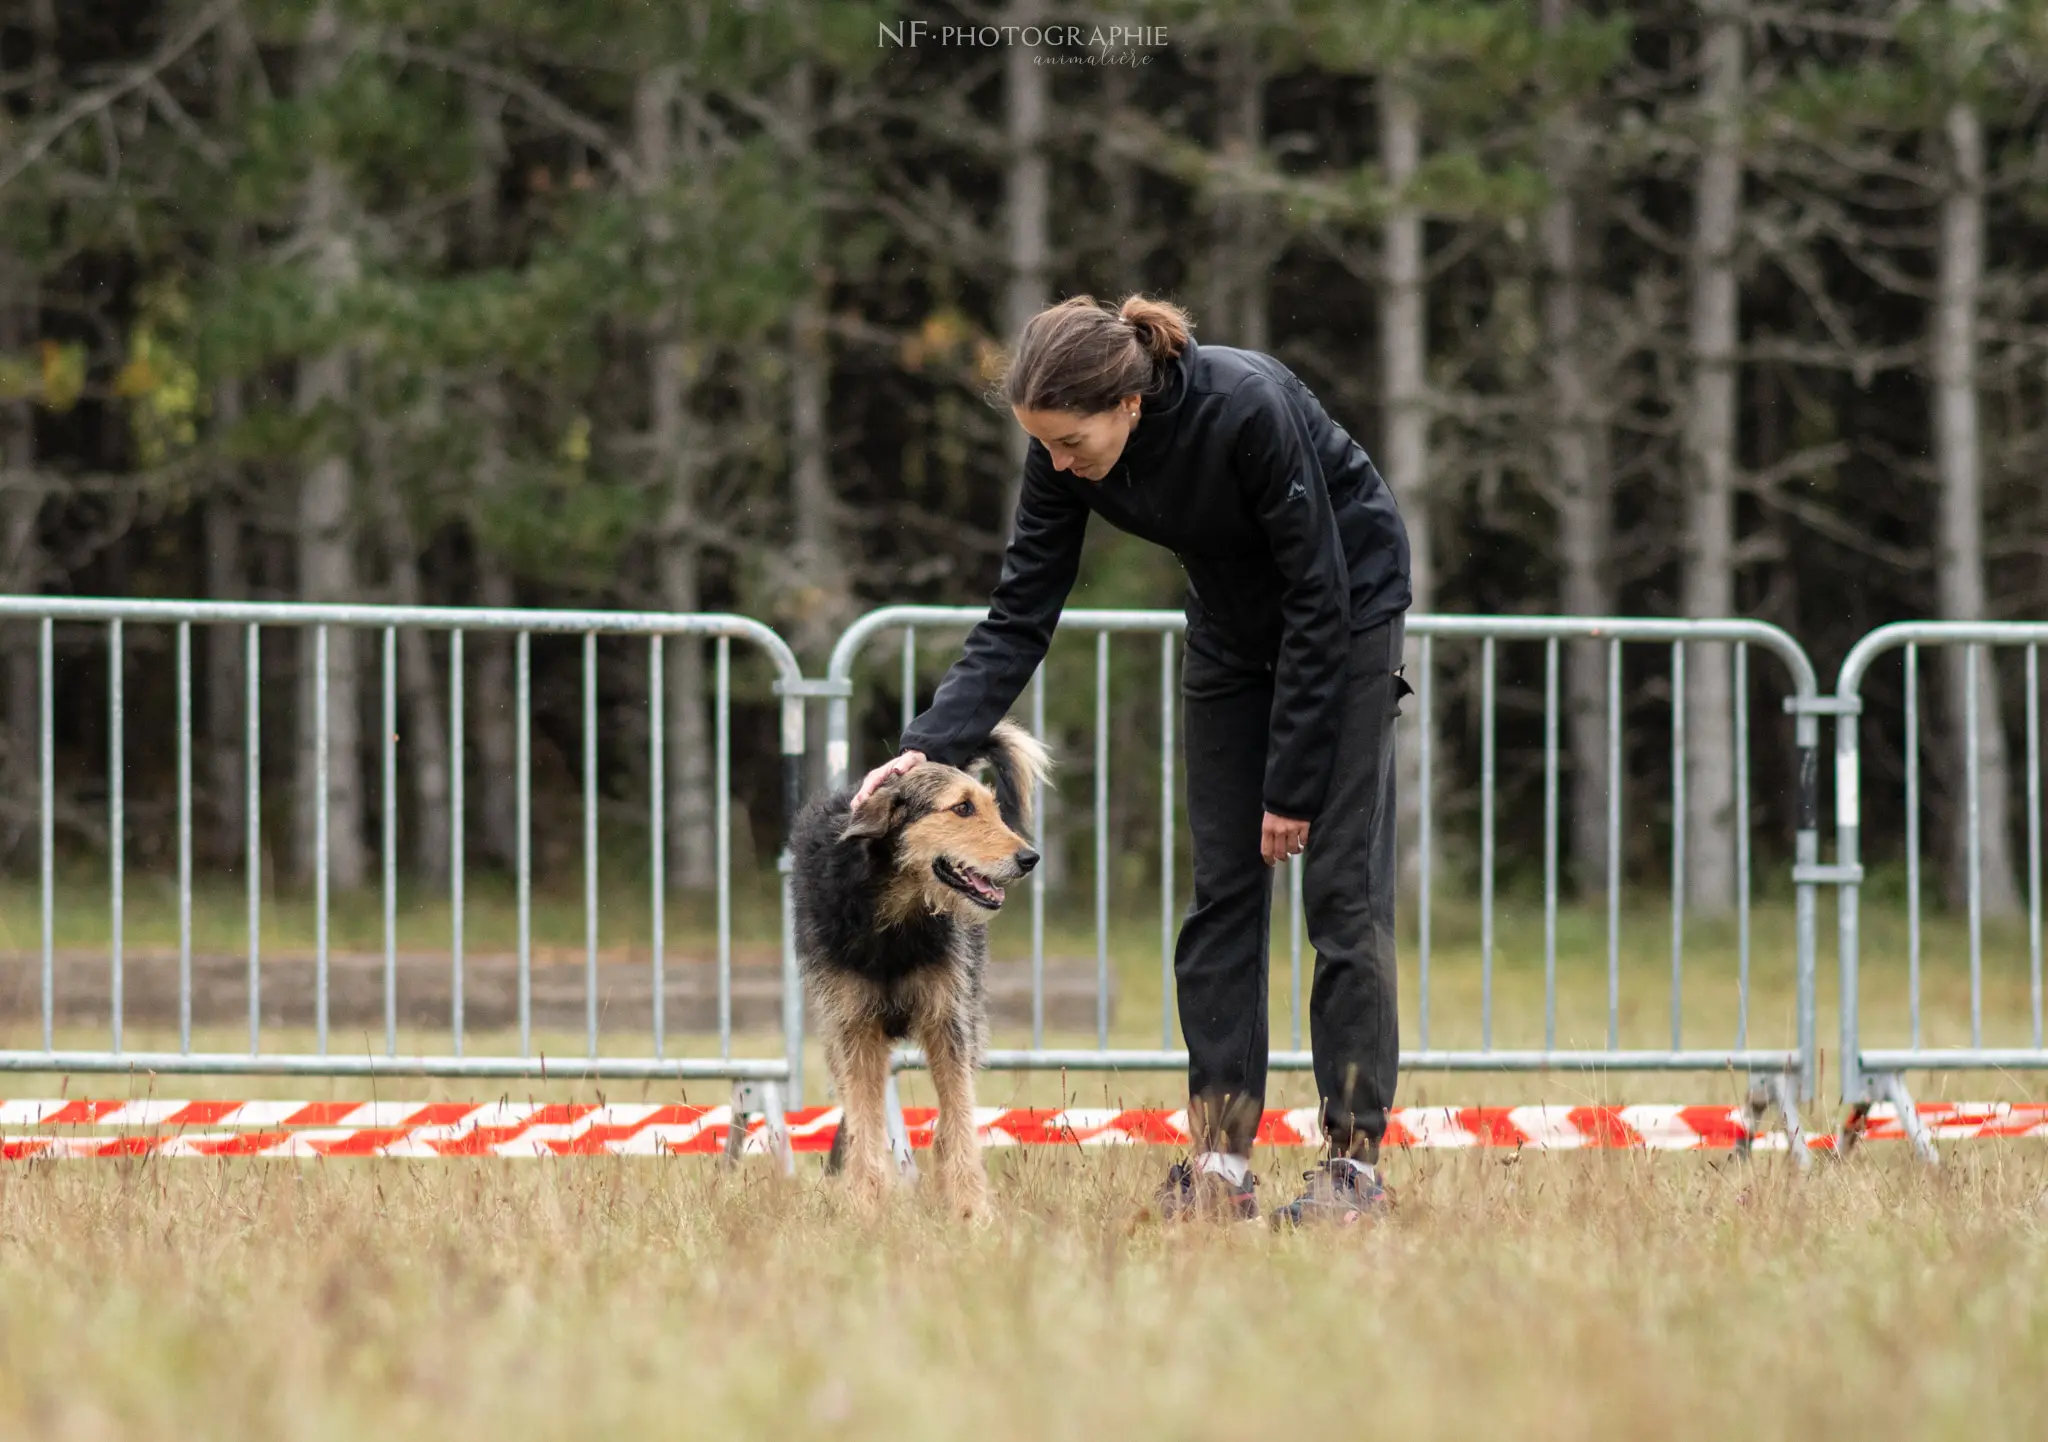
(1161, 326)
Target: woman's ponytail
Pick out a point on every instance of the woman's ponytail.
(1080, 356)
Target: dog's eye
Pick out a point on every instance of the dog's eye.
(965, 808)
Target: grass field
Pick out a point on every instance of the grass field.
(1598, 1296)
(1533, 1296)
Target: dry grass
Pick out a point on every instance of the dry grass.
(1599, 1295)
(1546, 1297)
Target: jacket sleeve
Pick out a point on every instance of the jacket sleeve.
(1003, 651)
(1283, 480)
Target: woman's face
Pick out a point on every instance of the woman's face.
(1086, 445)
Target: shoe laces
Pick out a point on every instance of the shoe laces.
(1342, 1176)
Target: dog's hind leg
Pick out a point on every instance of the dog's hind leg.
(949, 1053)
(861, 1067)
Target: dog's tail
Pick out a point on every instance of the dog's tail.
(1021, 763)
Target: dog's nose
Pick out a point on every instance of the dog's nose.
(1026, 859)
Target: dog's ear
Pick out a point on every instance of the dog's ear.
(872, 819)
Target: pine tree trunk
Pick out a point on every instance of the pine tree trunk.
(824, 600)
(1239, 301)
(1585, 501)
(820, 601)
(495, 705)
(326, 518)
(1709, 579)
(422, 719)
(1960, 580)
(494, 718)
(1125, 215)
(22, 492)
(673, 451)
(1027, 193)
(225, 767)
(21, 562)
(1404, 346)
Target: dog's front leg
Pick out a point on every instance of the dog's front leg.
(957, 1149)
(862, 1071)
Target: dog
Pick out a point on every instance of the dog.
(892, 908)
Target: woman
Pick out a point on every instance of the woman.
(1297, 566)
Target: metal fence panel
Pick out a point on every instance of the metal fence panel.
(1872, 1073)
(123, 619)
(1786, 1070)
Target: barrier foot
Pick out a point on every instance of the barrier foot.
(1894, 1088)
(899, 1133)
(763, 1099)
(1852, 1128)
(1766, 1092)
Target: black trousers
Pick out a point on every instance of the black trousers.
(1221, 967)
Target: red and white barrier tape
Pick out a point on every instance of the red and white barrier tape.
(528, 1129)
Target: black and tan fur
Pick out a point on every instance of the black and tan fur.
(892, 910)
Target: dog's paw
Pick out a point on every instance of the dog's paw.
(966, 1193)
(868, 1191)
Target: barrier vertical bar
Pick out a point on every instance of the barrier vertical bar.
(1973, 770)
(389, 747)
(2034, 834)
(1038, 877)
(1294, 876)
(252, 725)
(117, 767)
(908, 684)
(1486, 788)
(722, 814)
(320, 803)
(1741, 844)
(184, 838)
(1614, 785)
(590, 842)
(1102, 839)
(1550, 667)
(1679, 821)
(1913, 838)
(1422, 841)
(46, 821)
(1848, 819)
(455, 839)
(657, 840)
(522, 790)
(1166, 839)
(792, 798)
(1806, 855)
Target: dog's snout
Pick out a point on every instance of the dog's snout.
(1026, 858)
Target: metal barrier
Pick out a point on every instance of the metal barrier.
(765, 1083)
(1872, 1074)
(1780, 1076)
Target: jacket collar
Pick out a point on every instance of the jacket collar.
(1159, 418)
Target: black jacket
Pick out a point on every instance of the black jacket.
(1289, 537)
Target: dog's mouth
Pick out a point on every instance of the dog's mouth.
(969, 883)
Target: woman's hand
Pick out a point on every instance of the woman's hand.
(1280, 838)
(894, 766)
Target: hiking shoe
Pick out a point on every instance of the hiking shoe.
(1339, 1191)
(1188, 1193)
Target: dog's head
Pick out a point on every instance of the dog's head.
(951, 850)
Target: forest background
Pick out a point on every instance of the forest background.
(1716, 309)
